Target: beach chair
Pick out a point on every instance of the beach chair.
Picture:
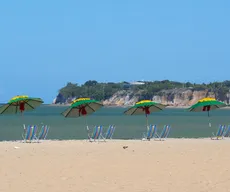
(97, 134)
(219, 134)
(109, 133)
(43, 132)
(227, 132)
(151, 132)
(165, 132)
(29, 133)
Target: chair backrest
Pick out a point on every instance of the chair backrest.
(220, 131)
(227, 132)
(151, 131)
(30, 132)
(43, 133)
(110, 132)
(97, 132)
(165, 131)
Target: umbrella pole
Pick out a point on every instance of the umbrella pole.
(87, 128)
(147, 124)
(209, 120)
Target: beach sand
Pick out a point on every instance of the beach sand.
(173, 165)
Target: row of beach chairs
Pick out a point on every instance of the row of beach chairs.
(223, 131)
(152, 133)
(31, 133)
(98, 134)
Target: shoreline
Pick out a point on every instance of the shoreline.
(114, 140)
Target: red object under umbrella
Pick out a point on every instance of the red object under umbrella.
(82, 110)
(146, 110)
(207, 108)
(22, 106)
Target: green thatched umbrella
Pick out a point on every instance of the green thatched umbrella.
(205, 105)
(144, 107)
(19, 104)
(82, 107)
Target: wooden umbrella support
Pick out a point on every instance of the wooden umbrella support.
(147, 123)
(209, 120)
(87, 128)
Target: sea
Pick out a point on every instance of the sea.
(184, 124)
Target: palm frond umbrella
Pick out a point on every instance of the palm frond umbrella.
(19, 104)
(82, 107)
(205, 105)
(144, 107)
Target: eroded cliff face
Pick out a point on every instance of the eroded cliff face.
(171, 97)
(181, 97)
(121, 98)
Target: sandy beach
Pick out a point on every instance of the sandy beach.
(171, 165)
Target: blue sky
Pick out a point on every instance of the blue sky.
(45, 44)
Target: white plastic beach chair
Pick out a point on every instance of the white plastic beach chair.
(97, 134)
(227, 132)
(165, 132)
(43, 132)
(109, 133)
(29, 133)
(219, 134)
(151, 132)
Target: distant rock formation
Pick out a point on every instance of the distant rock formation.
(172, 97)
(59, 99)
(181, 96)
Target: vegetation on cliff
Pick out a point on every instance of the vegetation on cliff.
(146, 90)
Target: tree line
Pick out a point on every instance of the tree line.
(101, 91)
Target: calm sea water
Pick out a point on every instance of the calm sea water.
(184, 124)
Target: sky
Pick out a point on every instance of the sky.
(45, 44)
